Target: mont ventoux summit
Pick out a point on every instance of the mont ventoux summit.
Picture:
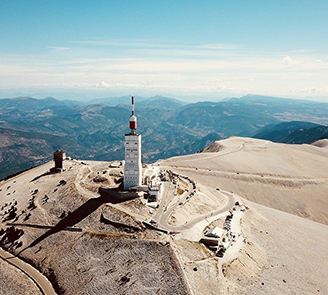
(224, 197)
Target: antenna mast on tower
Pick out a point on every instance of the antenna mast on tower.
(133, 119)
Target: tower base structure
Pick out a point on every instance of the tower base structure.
(133, 165)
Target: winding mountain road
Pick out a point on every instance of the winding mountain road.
(162, 216)
(39, 279)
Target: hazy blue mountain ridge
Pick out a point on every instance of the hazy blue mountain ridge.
(168, 127)
(293, 132)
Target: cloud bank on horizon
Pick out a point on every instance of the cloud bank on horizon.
(213, 48)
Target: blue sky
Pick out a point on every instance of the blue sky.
(182, 49)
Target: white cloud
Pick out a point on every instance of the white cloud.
(202, 69)
(314, 90)
(309, 90)
(220, 46)
(288, 61)
(103, 84)
(76, 85)
(58, 48)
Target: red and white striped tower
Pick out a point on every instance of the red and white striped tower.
(133, 119)
(133, 165)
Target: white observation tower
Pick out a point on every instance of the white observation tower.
(133, 166)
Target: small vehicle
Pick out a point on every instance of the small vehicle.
(153, 221)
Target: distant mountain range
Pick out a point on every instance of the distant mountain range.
(32, 128)
(293, 132)
(143, 102)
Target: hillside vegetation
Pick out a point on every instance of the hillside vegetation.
(293, 132)
(32, 128)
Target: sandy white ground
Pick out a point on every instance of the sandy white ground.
(283, 253)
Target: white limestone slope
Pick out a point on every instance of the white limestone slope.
(291, 178)
(285, 187)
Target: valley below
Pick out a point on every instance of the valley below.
(31, 129)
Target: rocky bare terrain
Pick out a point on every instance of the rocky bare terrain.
(86, 244)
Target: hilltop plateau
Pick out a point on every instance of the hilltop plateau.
(268, 200)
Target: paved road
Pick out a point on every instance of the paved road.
(163, 217)
(39, 279)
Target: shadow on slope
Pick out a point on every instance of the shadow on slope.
(75, 217)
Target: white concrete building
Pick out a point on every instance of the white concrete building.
(155, 193)
(133, 165)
